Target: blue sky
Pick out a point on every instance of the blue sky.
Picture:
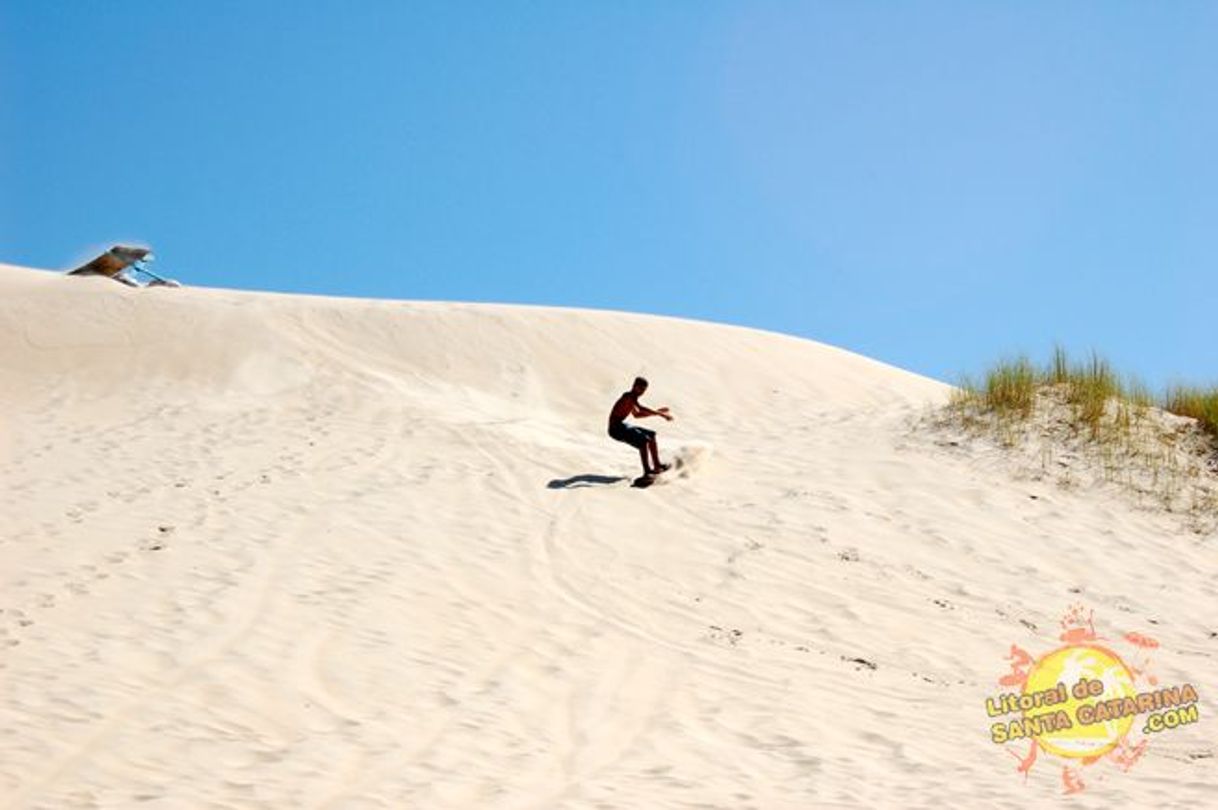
(931, 184)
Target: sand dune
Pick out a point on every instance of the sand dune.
(281, 551)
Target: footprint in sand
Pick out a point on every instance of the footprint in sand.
(721, 636)
(158, 543)
(16, 620)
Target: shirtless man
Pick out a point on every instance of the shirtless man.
(642, 438)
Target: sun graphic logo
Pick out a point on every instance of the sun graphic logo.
(1097, 674)
(1081, 701)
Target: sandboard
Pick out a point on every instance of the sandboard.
(685, 460)
(644, 481)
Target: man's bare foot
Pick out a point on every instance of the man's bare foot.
(662, 468)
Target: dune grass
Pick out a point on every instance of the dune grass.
(1198, 403)
(1008, 389)
(1092, 387)
(1088, 401)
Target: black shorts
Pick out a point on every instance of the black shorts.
(632, 435)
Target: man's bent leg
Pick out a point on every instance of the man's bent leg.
(655, 454)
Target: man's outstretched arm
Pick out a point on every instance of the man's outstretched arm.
(641, 411)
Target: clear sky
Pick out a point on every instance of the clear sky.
(932, 184)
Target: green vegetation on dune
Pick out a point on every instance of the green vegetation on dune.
(1199, 403)
(1092, 387)
(1075, 421)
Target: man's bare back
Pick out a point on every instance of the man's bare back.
(625, 406)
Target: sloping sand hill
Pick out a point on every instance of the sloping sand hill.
(290, 552)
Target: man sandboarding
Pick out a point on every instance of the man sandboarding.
(645, 440)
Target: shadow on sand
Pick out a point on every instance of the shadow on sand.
(585, 480)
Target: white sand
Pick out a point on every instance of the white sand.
(290, 552)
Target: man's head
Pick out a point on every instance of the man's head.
(640, 385)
